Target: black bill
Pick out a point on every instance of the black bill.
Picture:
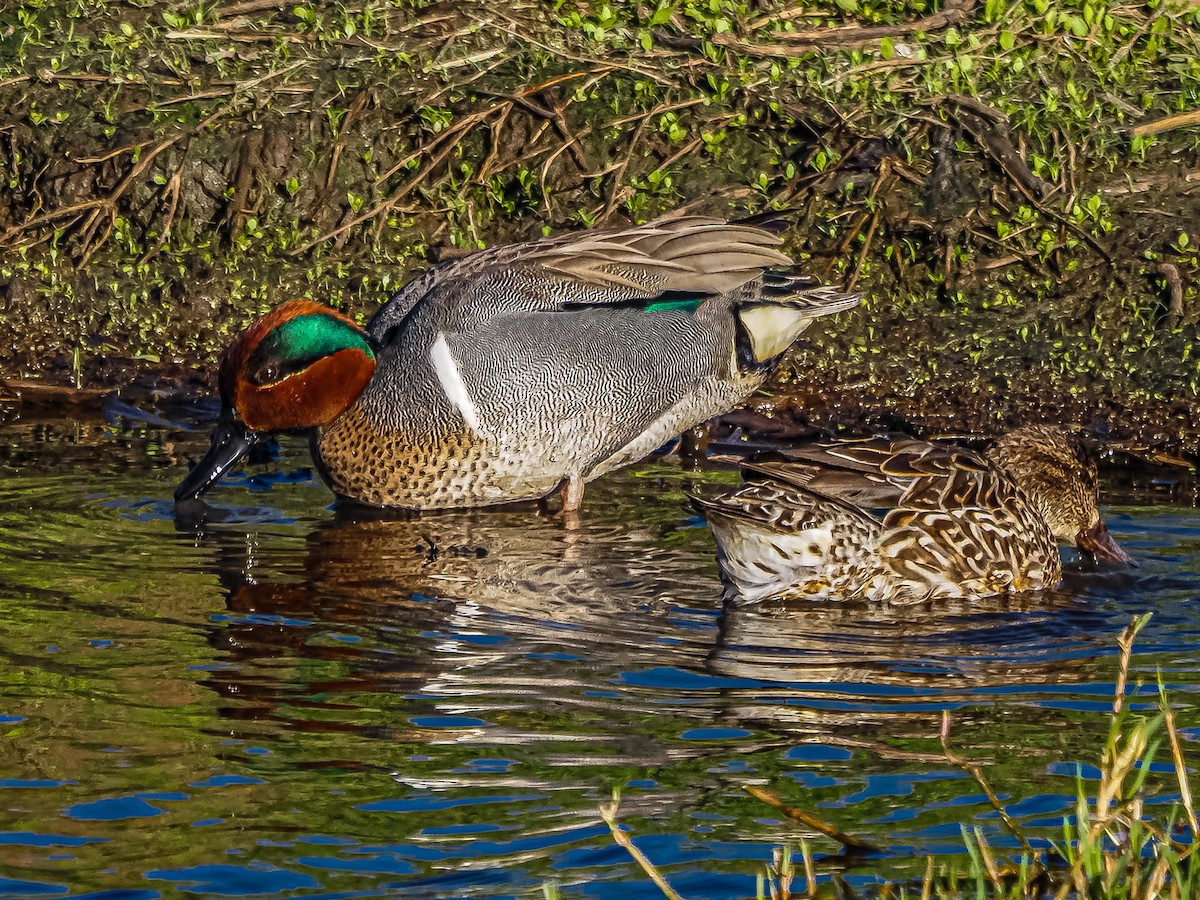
(231, 440)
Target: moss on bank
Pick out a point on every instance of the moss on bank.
(1013, 185)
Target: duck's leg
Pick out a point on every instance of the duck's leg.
(693, 445)
(572, 493)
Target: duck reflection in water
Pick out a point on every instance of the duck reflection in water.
(877, 678)
(503, 615)
(452, 614)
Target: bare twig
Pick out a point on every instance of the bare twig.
(572, 143)
(863, 255)
(974, 105)
(804, 818)
(91, 160)
(1170, 273)
(1190, 181)
(219, 33)
(247, 7)
(198, 95)
(551, 115)
(680, 153)
(608, 812)
(615, 195)
(449, 140)
(990, 128)
(496, 128)
(107, 202)
(796, 43)
(647, 71)
(171, 191)
(657, 111)
(359, 103)
(1125, 49)
(784, 15)
(1167, 123)
(89, 249)
(845, 244)
(550, 161)
(977, 773)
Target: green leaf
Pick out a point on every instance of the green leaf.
(887, 48)
(661, 15)
(1007, 40)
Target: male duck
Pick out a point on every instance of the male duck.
(511, 372)
(948, 522)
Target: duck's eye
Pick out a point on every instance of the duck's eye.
(263, 372)
(272, 369)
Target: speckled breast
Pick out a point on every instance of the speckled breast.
(369, 464)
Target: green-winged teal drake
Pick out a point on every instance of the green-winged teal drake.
(512, 372)
(902, 520)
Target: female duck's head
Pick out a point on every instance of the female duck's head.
(1057, 470)
(300, 366)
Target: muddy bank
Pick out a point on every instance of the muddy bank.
(1015, 189)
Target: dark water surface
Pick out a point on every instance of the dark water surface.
(294, 703)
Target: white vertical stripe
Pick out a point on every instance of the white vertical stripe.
(451, 381)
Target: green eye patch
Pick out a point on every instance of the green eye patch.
(298, 343)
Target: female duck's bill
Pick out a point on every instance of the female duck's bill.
(1100, 543)
(906, 521)
(512, 372)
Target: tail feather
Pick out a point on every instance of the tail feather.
(788, 304)
(774, 220)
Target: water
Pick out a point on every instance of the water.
(285, 701)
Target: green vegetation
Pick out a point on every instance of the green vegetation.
(1013, 185)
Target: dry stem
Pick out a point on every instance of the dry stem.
(977, 773)
(608, 812)
(798, 815)
(797, 43)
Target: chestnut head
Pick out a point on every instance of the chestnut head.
(298, 367)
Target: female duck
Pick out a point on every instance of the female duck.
(509, 373)
(955, 523)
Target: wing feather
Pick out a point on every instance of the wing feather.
(691, 254)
